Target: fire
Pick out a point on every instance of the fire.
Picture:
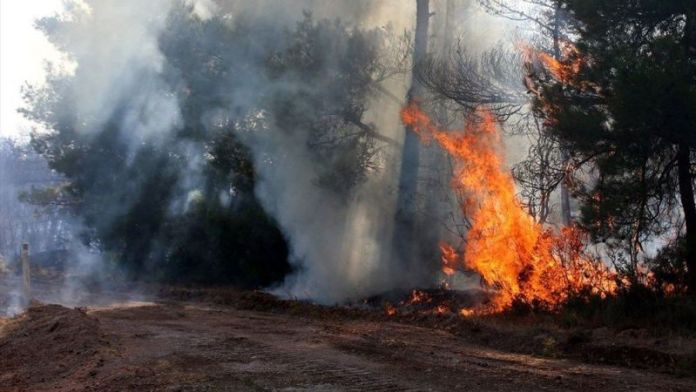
(449, 259)
(514, 255)
(563, 69)
(560, 71)
(417, 297)
(442, 309)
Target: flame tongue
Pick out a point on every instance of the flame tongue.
(563, 70)
(505, 246)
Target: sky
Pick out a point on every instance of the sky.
(23, 51)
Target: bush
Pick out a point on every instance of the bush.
(669, 268)
(637, 306)
(213, 245)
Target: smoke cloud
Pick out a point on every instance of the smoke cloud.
(122, 77)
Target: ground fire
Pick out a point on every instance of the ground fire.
(516, 257)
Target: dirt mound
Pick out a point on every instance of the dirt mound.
(48, 343)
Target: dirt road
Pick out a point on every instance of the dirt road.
(194, 347)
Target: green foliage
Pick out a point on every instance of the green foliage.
(627, 115)
(324, 77)
(209, 245)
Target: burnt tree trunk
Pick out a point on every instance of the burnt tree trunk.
(404, 243)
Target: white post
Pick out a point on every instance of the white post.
(26, 274)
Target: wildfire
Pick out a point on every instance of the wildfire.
(515, 256)
(562, 69)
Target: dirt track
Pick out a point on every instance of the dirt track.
(192, 347)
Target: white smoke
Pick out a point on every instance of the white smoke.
(203, 9)
(114, 46)
(343, 249)
(340, 247)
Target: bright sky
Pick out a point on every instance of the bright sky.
(23, 51)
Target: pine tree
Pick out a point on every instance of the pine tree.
(628, 112)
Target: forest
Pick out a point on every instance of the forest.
(518, 174)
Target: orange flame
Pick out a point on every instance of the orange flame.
(511, 252)
(442, 309)
(417, 297)
(563, 69)
(449, 259)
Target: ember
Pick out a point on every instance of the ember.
(417, 297)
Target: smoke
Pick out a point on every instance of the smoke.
(342, 249)
(14, 303)
(363, 13)
(203, 9)
(111, 58)
(118, 66)
(125, 87)
(339, 246)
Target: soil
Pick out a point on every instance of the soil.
(50, 343)
(257, 344)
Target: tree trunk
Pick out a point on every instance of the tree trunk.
(404, 243)
(565, 156)
(686, 192)
(439, 164)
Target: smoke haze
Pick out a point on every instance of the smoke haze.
(122, 78)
